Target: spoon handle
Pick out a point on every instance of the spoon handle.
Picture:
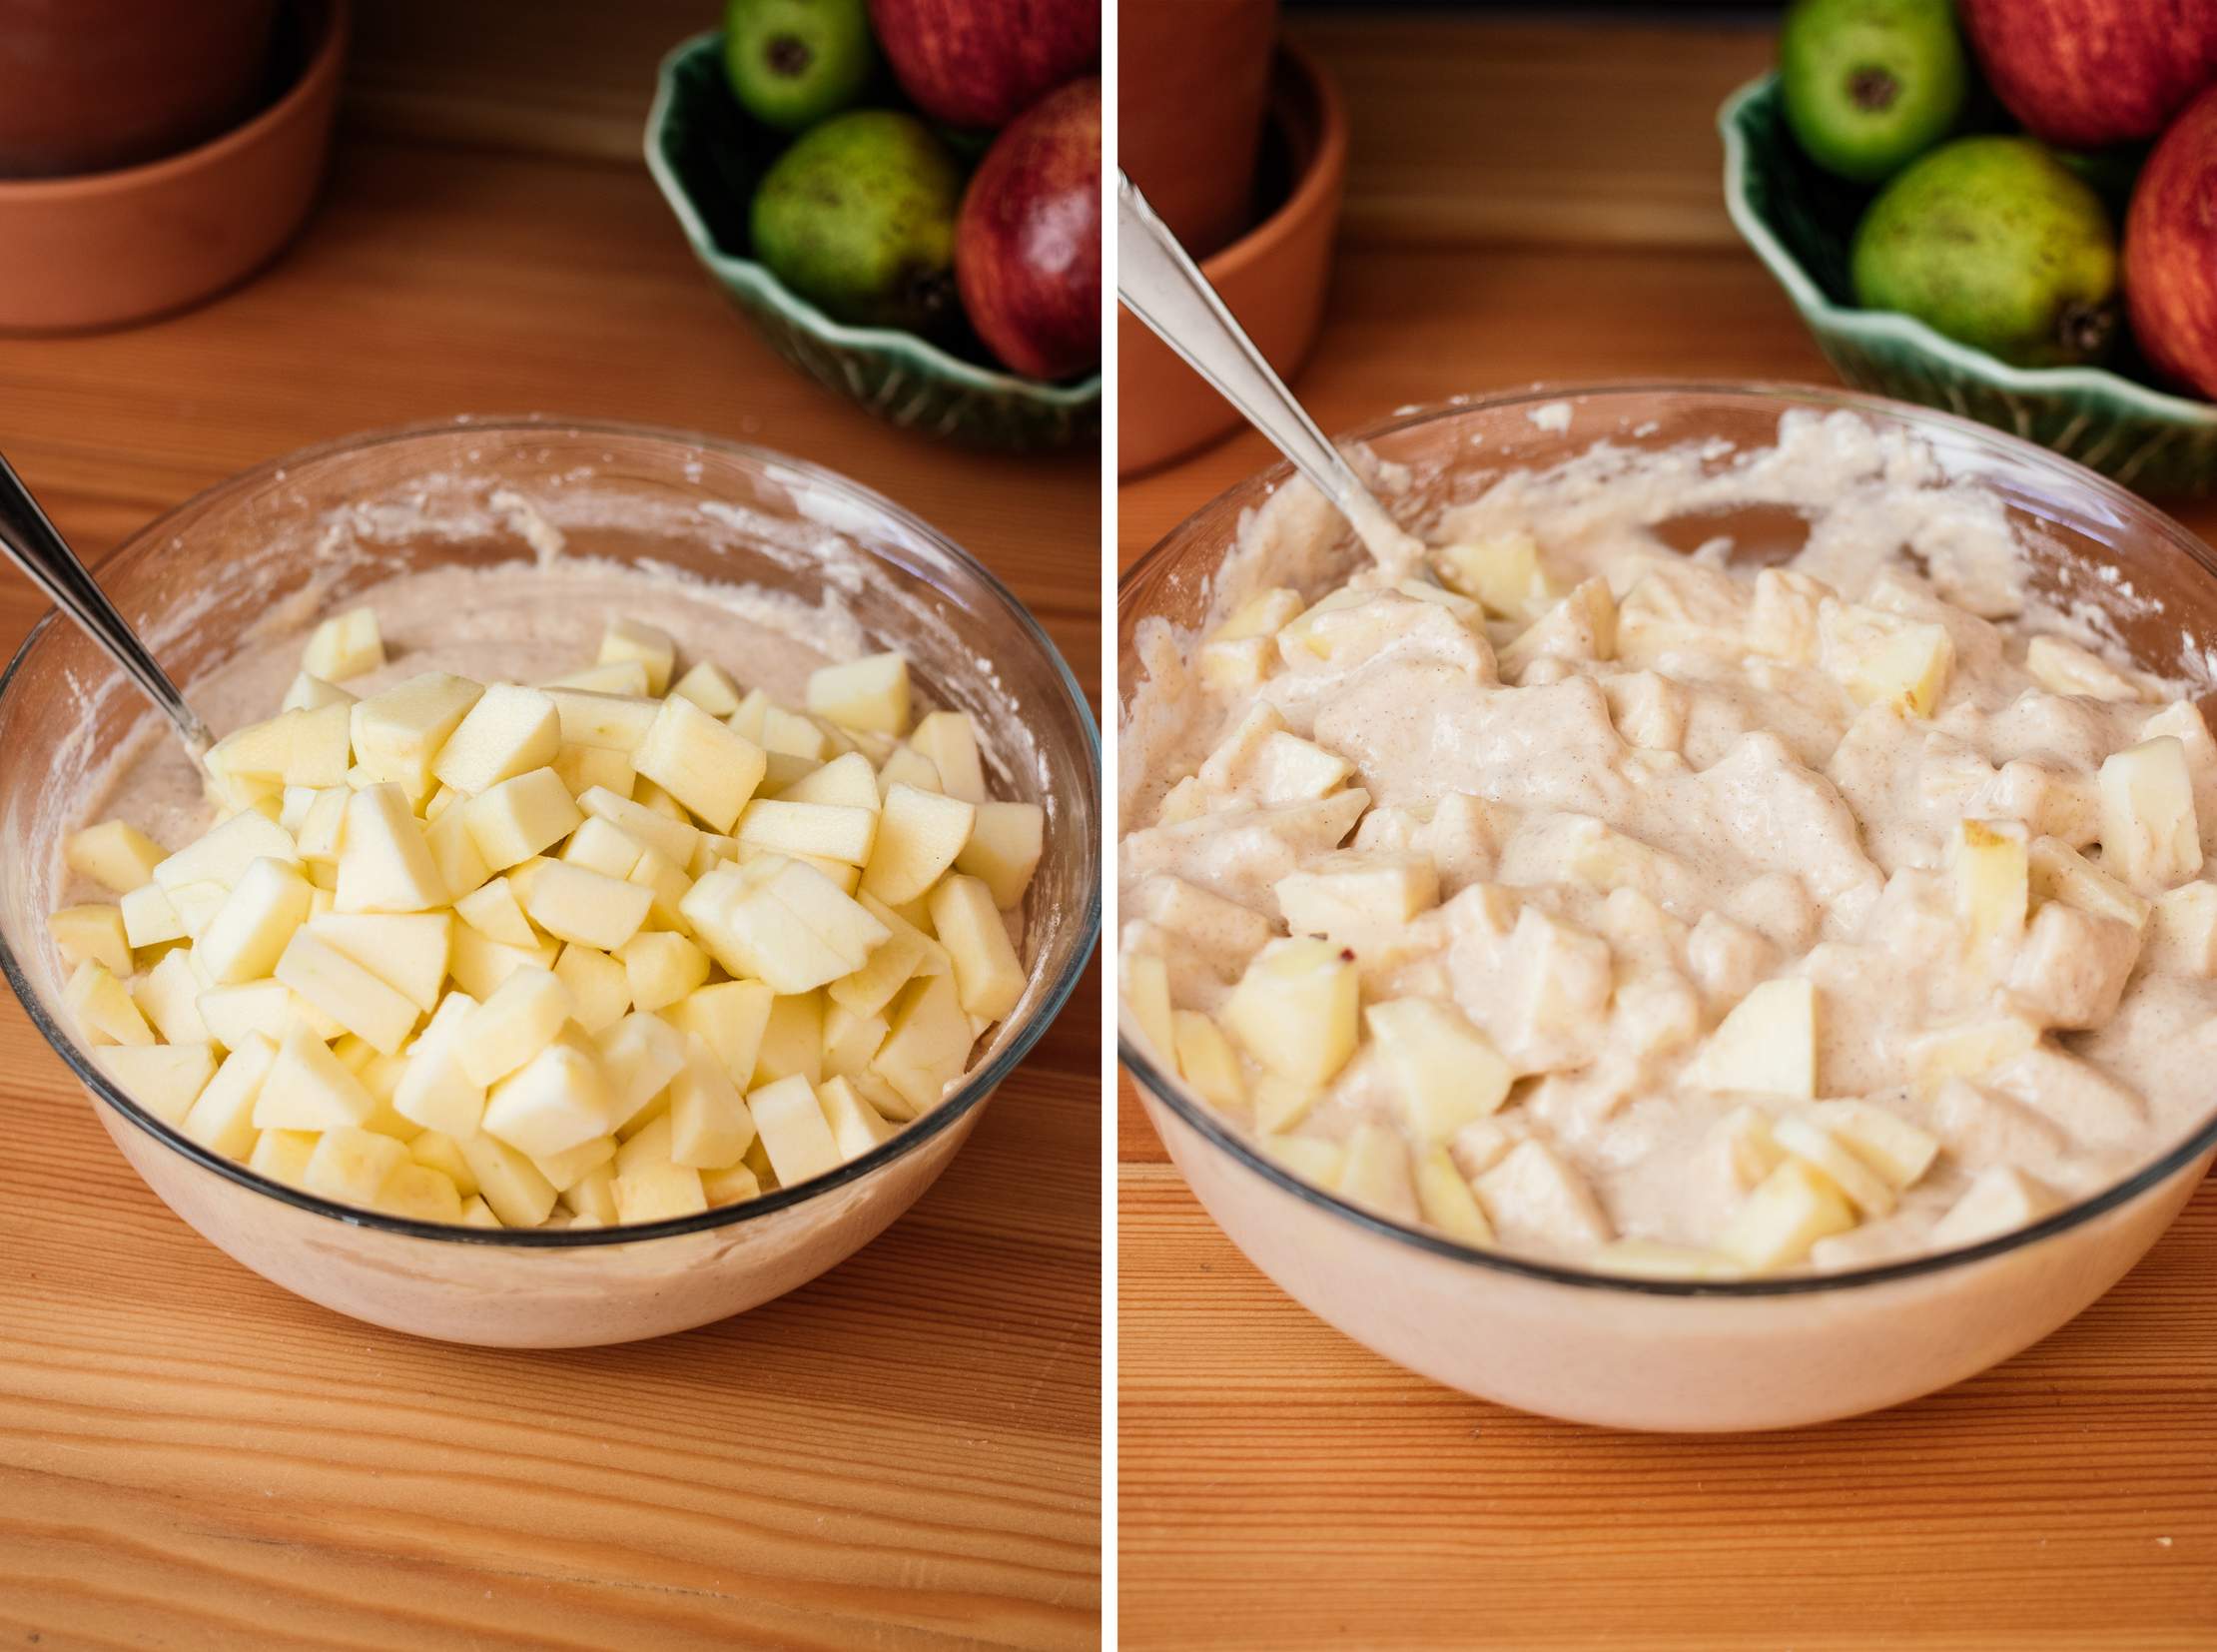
(34, 546)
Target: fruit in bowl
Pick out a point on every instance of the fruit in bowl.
(2171, 250)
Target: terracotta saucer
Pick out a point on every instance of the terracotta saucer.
(113, 247)
(1272, 278)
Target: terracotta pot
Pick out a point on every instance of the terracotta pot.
(1272, 278)
(1195, 81)
(119, 246)
(90, 85)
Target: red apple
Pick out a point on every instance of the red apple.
(1028, 242)
(981, 63)
(2170, 251)
(2084, 73)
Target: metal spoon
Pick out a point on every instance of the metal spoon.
(32, 543)
(1159, 283)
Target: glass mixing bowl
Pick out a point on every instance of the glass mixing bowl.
(334, 521)
(1658, 1354)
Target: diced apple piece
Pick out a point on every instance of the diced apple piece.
(856, 1125)
(574, 1167)
(639, 1055)
(2072, 967)
(593, 1194)
(659, 1192)
(222, 1119)
(408, 952)
(93, 931)
(1535, 1196)
(584, 767)
(845, 782)
(609, 722)
(165, 1079)
(1776, 1225)
(345, 645)
(103, 1007)
(1295, 1009)
(1766, 1046)
(1992, 871)
(615, 676)
(1208, 1061)
(2000, 1200)
(282, 1154)
(1502, 571)
(494, 911)
(435, 1091)
(1377, 1171)
(919, 834)
(516, 1023)
(793, 1038)
(730, 1015)
(1898, 1150)
(417, 1192)
(650, 645)
(793, 1129)
(322, 827)
(1583, 627)
(224, 854)
(1646, 1259)
(989, 975)
(906, 951)
(908, 768)
(950, 741)
(385, 864)
(553, 1101)
(510, 730)
(1003, 849)
(1310, 1158)
(2065, 669)
(710, 1126)
(1970, 1047)
(708, 686)
(702, 763)
(2149, 835)
(351, 995)
(1881, 657)
(480, 964)
(148, 917)
(196, 905)
(508, 1182)
(168, 995)
(250, 930)
(599, 989)
(872, 692)
(2185, 934)
(309, 1087)
(928, 1045)
(2060, 873)
(117, 856)
(666, 888)
(1444, 1198)
(601, 847)
(851, 1041)
(828, 830)
(586, 907)
(1446, 1074)
(674, 840)
(397, 736)
(661, 969)
(308, 692)
(476, 1213)
(517, 818)
(1864, 1188)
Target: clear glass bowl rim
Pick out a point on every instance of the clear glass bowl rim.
(976, 1088)
(1196, 1116)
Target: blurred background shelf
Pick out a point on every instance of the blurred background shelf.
(1531, 200)
(904, 1453)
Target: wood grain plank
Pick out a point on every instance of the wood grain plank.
(906, 1453)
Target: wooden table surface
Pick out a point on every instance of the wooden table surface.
(1541, 202)
(902, 1453)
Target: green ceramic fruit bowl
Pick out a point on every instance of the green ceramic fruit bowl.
(1799, 221)
(707, 156)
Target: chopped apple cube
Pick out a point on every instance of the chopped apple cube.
(2065, 669)
(666, 888)
(480, 964)
(1446, 1074)
(1005, 841)
(1646, 1259)
(659, 1192)
(1766, 1046)
(309, 1087)
(989, 977)
(1776, 1225)
(117, 856)
(93, 931)
(674, 840)
(1898, 1150)
(406, 951)
(517, 818)
(1445, 1199)
(650, 645)
(660, 969)
(1295, 1009)
(793, 1129)
(494, 911)
(1310, 1158)
(929, 1044)
(222, 1118)
(846, 782)
(2060, 873)
(710, 1126)
(508, 1182)
(351, 995)
(477, 1213)
(1881, 657)
(148, 917)
(919, 835)
(1988, 859)
(2149, 836)
(1535, 1196)
(599, 847)
(639, 1055)
(1502, 572)
(908, 768)
(2185, 936)
(615, 676)
(510, 730)
(828, 830)
(1970, 1047)
(708, 686)
(574, 1167)
(1208, 1061)
(511, 1026)
(168, 995)
(609, 722)
(700, 762)
(590, 908)
(1868, 1191)
(311, 694)
(385, 865)
(417, 1192)
(282, 1154)
(397, 735)
(872, 693)
(249, 933)
(856, 1125)
(435, 1091)
(556, 1099)
(730, 1015)
(345, 645)
(593, 1194)
(1999, 1201)
(103, 1007)
(892, 964)
(165, 1079)
(599, 989)
(224, 854)
(583, 768)
(951, 742)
